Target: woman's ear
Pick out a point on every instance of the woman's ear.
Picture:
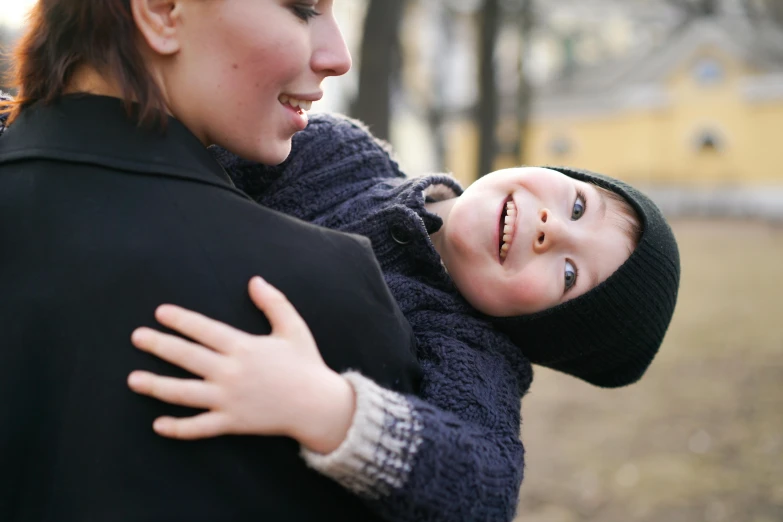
(158, 22)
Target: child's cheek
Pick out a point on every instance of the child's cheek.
(529, 294)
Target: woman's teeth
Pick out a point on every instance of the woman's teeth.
(508, 229)
(295, 103)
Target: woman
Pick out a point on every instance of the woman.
(106, 189)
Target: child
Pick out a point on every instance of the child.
(548, 279)
(455, 453)
(341, 177)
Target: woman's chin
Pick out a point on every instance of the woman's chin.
(266, 152)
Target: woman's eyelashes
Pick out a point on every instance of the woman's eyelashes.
(580, 206)
(571, 273)
(305, 10)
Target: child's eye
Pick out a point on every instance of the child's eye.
(579, 206)
(571, 273)
(305, 11)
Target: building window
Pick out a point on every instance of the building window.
(560, 146)
(708, 141)
(708, 71)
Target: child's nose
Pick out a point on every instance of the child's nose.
(548, 231)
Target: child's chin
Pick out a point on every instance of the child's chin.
(482, 302)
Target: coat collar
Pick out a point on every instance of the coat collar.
(96, 130)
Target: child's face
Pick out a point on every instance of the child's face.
(562, 236)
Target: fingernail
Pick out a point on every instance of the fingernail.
(259, 280)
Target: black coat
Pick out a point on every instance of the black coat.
(100, 222)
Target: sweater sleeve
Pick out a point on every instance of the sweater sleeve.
(453, 454)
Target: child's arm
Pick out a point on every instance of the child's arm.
(410, 458)
(453, 454)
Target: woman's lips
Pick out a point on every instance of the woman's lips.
(298, 116)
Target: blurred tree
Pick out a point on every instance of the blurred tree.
(7, 38)
(696, 8)
(525, 20)
(771, 10)
(443, 16)
(488, 92)
(379, 65)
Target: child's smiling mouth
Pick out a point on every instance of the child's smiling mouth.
(506, 226)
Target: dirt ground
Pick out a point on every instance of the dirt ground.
(700, 438)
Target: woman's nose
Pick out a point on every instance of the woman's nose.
(549, 231)
(330, 54)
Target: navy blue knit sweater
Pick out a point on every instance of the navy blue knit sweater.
(454, 453)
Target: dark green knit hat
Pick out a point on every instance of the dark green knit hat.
(609, 335)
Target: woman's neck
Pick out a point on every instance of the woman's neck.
(87, 80)
(441, 209)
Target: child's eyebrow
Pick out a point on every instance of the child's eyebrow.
(601, 202)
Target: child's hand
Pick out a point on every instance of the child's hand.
(275, 384)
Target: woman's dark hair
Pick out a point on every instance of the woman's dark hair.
(63, 35)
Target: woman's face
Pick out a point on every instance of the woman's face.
(246, 70)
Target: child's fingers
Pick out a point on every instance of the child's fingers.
(204, 425)
(213, 334)
(279, 311)
(189, 356)
(183, 392)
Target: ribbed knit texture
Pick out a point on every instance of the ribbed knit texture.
(374, 459)
(454, 452)
(610, 335)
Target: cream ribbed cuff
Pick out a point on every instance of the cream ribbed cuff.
(377, 454)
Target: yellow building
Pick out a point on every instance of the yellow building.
(705, 109)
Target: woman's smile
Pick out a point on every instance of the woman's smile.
(297, 106)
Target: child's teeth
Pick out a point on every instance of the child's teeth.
(511, 213)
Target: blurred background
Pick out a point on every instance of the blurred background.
(683, 98)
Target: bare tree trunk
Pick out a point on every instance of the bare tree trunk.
(771, 10)
(436, 110)
(488, 92)
(380, 65)
(7, 39)
(525, 21)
